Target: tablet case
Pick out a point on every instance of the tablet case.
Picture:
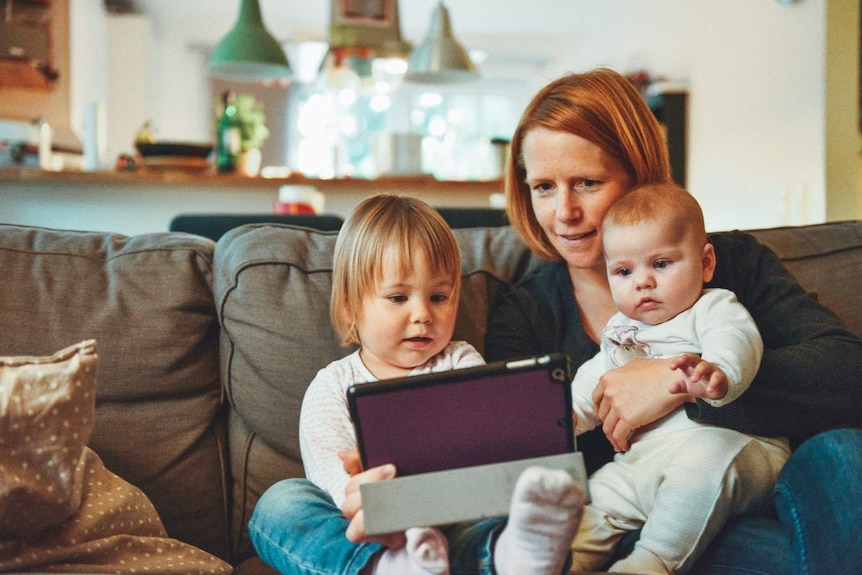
(503, 411)
(460, 440)
(456, 495)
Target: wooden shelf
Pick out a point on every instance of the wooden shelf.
(23, 76)
(163, 178)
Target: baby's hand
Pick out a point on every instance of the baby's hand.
(700, 377)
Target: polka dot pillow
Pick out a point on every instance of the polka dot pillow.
(61, 509)
(46, 417)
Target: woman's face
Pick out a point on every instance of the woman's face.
(572, 184)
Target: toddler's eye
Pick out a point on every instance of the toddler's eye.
(397, 298)
(662, 264)
(439, 298)
(624, 272)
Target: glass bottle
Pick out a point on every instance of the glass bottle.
(227, 135)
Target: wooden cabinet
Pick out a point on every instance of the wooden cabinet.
(670, 109)
(27, 45)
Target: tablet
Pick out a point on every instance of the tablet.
(502, 411)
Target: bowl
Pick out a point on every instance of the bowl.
(174, 149)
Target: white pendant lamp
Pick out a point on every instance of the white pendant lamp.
(440, 59)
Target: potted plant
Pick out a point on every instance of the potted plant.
(243, 115)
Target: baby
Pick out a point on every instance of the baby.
(680, 480)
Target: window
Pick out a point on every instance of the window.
(353, 126)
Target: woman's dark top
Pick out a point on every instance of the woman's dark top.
(810, 378)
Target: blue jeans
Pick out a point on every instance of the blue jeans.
(818, 500)
(297, 529)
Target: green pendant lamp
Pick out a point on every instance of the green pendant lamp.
(440, 59)
(248, 53)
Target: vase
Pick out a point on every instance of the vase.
(248, 163)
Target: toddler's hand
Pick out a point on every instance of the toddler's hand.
(350, 461)
(352, 505)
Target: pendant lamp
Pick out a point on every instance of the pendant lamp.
(248, 53)
(440, 58)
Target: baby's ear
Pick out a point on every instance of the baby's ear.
(708, 261)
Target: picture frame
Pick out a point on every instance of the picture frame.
(376, 13)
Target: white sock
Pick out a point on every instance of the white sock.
(426, 553)
(543, 518)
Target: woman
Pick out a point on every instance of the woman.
(584, 141)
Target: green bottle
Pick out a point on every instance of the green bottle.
(227, 136)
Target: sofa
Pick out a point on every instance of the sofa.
(205, 348)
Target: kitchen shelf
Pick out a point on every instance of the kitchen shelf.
(163, 178)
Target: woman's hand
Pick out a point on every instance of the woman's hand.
(352, 504)
(634, 395)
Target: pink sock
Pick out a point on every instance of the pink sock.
(543, 518)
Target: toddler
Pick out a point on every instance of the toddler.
(396, 282)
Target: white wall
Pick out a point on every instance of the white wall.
(756, 73)
(129, 81)
(88, 92)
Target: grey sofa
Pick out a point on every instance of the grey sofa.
(205, 349)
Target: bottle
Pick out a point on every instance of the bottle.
(227, 136)
(45, 137)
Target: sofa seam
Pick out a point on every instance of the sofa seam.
(244, 493)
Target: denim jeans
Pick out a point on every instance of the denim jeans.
(819, 501)
(297, 529)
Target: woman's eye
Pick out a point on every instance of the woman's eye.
(586, 184)
(541, 187)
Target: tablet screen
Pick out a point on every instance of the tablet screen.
(499, 412)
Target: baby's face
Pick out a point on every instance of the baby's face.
(655, 272)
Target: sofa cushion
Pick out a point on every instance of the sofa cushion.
(825, 259)
(272, 291)
(147, 300)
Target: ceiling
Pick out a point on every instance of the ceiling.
(309, 19)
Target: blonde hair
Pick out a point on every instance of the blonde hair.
(601, 106)
(379, 224)
(665, 202)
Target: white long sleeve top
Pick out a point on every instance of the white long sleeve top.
(717, 327)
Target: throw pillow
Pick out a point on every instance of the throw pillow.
(46, 417)
(61, 509)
